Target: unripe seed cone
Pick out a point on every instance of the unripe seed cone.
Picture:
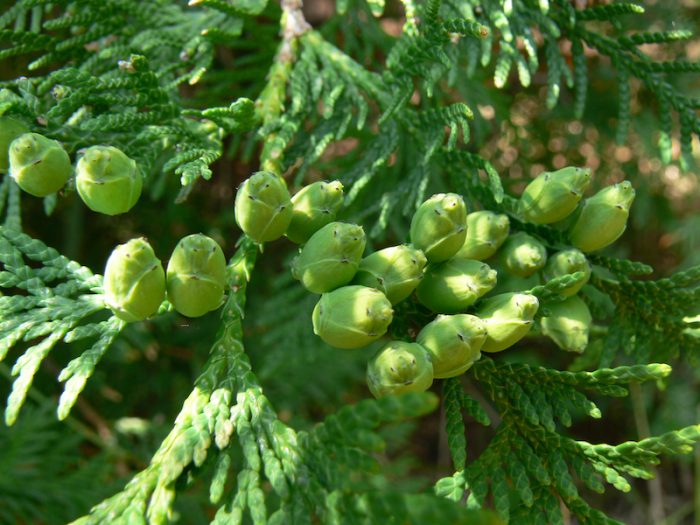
(134, 281)
(39, 165)
(568, 324)
(603, 218)
(10, 129)
(453, 285)
(107, 180)
(352, 316)
(263, 207)
(486, 232)
(196, 276)
(398, 368)
(522, 255)
(508, 318)
(313, 207)
(553, 196)
(568, 262)
(396, 271)
(454, 343)
(331, 257)
(438, 227)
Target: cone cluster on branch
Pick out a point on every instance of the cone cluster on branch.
(467, 268)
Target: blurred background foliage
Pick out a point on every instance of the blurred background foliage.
(139, 386)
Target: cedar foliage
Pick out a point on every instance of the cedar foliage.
(148, 77)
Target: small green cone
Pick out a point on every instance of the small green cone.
(40, 166)
(508, 318)
(134, 281)
(331, 257)
(568, 262)
(10, 129)
(553, 196)
(486, 232)
(313, 207)
(568, 324)
(399, 368)
(522, 255)
(451, 286)
(263, 207)
(196, 275)
(107, 180)
(352, 316)
(396, 271)
(454, 343)
(603, 218)
(438, 227)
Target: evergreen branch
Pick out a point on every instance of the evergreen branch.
(528, 458)
(657, 37)
(50, 312)
(650, 74)
(552, 289)
(656, 309)
(270, 103)
(453, 399)
(465, 28)
(562, 20)
(607, 12)
(673, 66)
(580, 77)
(621, 266)
(79, 370)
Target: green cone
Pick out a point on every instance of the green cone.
(454, 343)
(568, 262)
(263, 207)
(196, 276)
(40, 166)
(396, 271)
(107, 180)
(486, 232)
(508, 318)
(522, 255)
(330, 258)
(313, 207)
(10, 129)
(438, 227)
(568, 324)
(603, 218)
(134, 281)
(398, 368)
(352, 316)
(452, 286)
(553, 196)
